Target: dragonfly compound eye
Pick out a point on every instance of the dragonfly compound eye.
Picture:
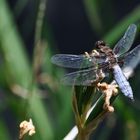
(99, 43)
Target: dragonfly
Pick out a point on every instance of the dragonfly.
(106, 59)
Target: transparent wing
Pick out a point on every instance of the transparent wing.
(83, 77)
(126, 41)
(73, 61)
(132, 59)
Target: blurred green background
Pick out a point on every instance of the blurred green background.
(30, 33)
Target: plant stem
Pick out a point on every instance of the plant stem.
(83, 135)
(38, 50)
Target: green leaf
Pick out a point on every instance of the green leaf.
(4, 134)
(17, 65)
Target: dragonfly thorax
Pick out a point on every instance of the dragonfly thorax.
(111, 58)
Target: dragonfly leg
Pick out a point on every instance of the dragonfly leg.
(95, 53)
(87, 55)
(99, 77)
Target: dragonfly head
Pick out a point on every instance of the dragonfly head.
(100, 44)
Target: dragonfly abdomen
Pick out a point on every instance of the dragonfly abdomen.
(122, 81)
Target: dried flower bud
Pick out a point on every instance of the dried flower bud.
(26, 127)
(109, 90)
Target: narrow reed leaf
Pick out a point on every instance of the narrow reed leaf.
(13, 49)
(98, 110)
(92, 9)
(84, 96)
(4, 133)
